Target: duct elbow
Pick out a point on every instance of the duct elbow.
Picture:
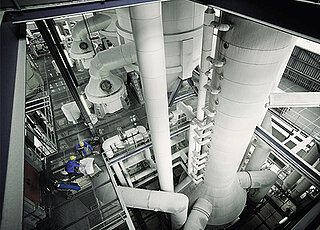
(111, 59)
(95, 23)
(169, 202)
(256, 179)
(199, 215)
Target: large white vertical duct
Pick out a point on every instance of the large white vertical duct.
(81, 46)
(253, 55)
(148, 35)
(174, 203)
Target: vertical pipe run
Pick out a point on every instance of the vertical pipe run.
(205, 64)
(148, 35)
(262, 150)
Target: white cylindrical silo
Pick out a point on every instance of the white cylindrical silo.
(253, 54)
(182, 28)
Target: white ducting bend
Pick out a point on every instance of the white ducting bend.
(81, 47)
(169, 202)
(199, 215)
(256, 179)
(100, 68)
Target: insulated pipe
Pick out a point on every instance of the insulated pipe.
(148, 35)
(256, 179)
(169, 202)
(262, 150)
(81, 47)
(303, 186)
(147, 154)
(103, 63)
(311, 157)
(205, 64)
(199, 215)
(119, 174)
(259, 181)
(95, 23)
(253, 54)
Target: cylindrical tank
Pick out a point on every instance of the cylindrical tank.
(182, 28)
(253, 54)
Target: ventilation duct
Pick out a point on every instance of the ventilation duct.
(253, 54)
(104, 89)
(182, 29)
(169, 202)
(81, 48)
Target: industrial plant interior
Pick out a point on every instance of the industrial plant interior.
(173, 114)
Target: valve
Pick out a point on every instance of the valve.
(220, 26)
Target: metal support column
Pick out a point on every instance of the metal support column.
(51, 25)
(12, 75)
(66, 76)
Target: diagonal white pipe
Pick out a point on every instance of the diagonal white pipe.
(148, 35)
(169, 202)
(199, 215)
(259, 182)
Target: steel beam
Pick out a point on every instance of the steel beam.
(12, 66)
(298, 99)
(307, 219)
(65, 74)
(283, 153)
(45, 12)
(281, 15)
(57, 40)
